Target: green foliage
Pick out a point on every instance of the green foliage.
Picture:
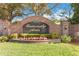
(29, 35)
(10, 10)
(34, 35)
(13, 36)
(40, 9)
(75, 18)
(6, 11)
(3, 38)
(55, 35)
(66, 38)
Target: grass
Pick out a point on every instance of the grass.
(23, 49)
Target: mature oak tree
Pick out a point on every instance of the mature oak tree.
(10, 10)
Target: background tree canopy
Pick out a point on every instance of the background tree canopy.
(75, 18)
(10, 10)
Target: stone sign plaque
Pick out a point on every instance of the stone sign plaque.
(36, 27)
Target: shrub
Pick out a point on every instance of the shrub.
(13, 36)
(29, 35)
(22, 35)
(3, 38)
(55, 35)
(66, 38)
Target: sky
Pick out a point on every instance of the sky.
(55, 12)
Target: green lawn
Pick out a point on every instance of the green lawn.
(43, 49)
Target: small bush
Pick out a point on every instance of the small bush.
(13, 36)
(66, 38)
(55, 35)
(3, 38)
(22, 35)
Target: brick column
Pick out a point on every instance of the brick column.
(65, 27)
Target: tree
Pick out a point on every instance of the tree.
(66, 13)
(6, 10)
(40, 8)
(10, 10)
(75, 18)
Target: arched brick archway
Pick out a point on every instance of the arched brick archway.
(40, 19)
(35, 18)
(52, 27)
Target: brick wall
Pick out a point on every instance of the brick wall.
(74, 31)
(5, 26)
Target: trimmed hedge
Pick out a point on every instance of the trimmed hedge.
(35, 35)
(50, 36)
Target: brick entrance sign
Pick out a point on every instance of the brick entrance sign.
(38, 24)
(19, 26)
